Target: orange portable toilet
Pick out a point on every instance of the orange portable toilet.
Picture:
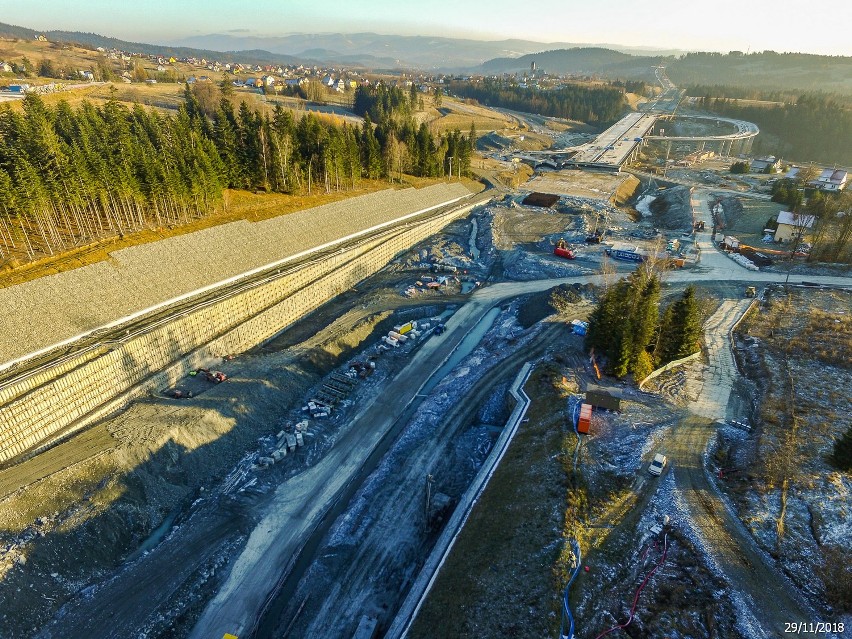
(585, 420)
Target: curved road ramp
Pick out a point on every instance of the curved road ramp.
(79, 345)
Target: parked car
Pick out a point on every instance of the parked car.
(656, 467)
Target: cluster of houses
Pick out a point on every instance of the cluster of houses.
(830, 180)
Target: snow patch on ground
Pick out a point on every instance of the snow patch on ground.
(644, 205)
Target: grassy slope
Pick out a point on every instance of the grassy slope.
(500, 581)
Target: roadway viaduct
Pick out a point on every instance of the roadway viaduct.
(740, 140)
(621, 143)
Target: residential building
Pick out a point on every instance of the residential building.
(760, 165)
(790, 225)
(831, 180)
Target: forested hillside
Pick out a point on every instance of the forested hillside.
(577, 60)
(813, 129)
(765, 70)
(70, 175)
(594, 105)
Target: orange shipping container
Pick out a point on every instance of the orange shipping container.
(585, 421)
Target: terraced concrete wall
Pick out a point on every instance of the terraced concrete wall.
(39, 315)
(61, 399)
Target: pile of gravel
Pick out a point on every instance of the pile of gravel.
(671, 210)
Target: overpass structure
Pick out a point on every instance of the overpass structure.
(618, 145)
(621, 143)
(739, 141)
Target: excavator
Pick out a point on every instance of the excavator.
(562, 250)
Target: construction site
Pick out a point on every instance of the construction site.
(378, 418)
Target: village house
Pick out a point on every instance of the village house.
(768, 164)
(830, 180)
(790, 225)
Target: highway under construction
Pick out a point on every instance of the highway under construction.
(288, 440)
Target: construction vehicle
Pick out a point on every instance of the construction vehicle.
(217, 377)
(562, 250)
(594, 238)
(751, 291)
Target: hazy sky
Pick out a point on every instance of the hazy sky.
(717, 25)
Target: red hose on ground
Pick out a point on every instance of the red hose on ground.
(639, 592)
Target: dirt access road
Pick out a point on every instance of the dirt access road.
(374, 571)
(298, 505)
(766, 601)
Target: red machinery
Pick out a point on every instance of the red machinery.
(562, 250)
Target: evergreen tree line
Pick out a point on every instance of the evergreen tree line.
(763, 70)
(627, 333)
(71, 175)
(710, 92)
(815, 128)
(594, 105)
(631, 86)
(407, 146)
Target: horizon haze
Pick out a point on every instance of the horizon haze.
(665, 25)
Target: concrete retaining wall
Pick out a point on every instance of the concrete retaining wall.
(668, 367)
(58, 400)
(43, 314)
(421, 587)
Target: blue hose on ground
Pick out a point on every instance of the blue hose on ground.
(567, 617)
(575, 417)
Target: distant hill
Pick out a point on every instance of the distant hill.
(94, 40)
(765, 70)
(408, 51)
(576, 60)
(370, 50)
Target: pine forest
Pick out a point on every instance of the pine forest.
(71, 175)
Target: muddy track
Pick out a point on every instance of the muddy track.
(766, 594)
(114, 610)
(396, 544)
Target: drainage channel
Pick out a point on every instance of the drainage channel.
(269, 620)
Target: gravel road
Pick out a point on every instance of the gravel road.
(768, 601)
